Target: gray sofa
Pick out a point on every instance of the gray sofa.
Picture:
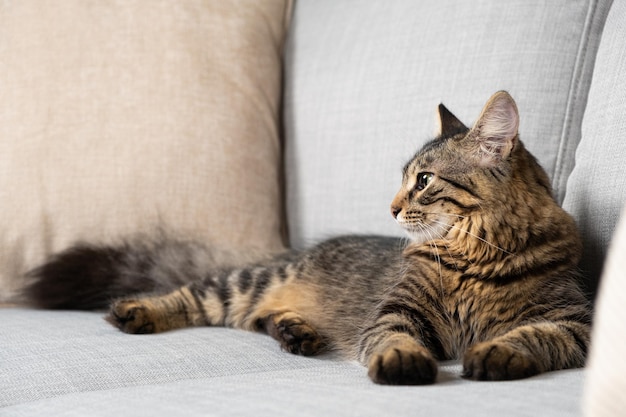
(361, 81)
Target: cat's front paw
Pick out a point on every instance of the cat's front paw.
(401, 366)
(131, 316)
(493, 361)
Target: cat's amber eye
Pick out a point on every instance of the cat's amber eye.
(423, 179)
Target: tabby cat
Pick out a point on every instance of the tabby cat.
(488, 276)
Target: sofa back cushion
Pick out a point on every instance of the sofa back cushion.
(596, 190)
(120, 117)
(364, 77)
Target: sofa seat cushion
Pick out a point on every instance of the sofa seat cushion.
(75, 364)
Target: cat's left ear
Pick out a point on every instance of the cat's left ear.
(495, 133)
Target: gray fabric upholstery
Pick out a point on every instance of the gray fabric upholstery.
(363, 79)
(596, 190)
(75, 364)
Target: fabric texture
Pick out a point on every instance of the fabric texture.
(596, 191)
(119, 117)
(364, 78)
(75, 364)
(605, 384)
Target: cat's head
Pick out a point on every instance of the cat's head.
(469, 178)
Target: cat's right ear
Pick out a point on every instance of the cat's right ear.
(449, 124)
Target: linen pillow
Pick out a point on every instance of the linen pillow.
(364, 78)
(120, 117)
(596, 190)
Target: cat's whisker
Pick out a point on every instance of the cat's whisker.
(442, 238)
(403, 242)
(431, 242)
(453, 226)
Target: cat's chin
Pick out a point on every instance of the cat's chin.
(418, 237)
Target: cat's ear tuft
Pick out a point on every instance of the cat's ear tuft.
(449, 125)
(495, 132)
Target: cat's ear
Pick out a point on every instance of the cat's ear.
(449, 125)
(495, 133)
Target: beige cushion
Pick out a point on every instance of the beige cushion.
(118, 117)
(605, 385)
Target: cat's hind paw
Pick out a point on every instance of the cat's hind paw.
(294, 334)
(132, 316)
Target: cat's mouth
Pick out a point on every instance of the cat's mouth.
(422, 230)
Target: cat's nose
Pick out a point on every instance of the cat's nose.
(395, 211)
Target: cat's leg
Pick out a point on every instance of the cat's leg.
(181, 309)
(154, 314)
(403, 344)
(283, 310)
(528, 350)
(224, 299)
(260, 299)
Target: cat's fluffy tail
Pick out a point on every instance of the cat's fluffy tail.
(89, 277)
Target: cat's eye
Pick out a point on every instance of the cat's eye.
(423, 179)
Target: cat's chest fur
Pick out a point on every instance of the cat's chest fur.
(473, 309)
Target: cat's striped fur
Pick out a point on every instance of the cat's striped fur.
(489, 275)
